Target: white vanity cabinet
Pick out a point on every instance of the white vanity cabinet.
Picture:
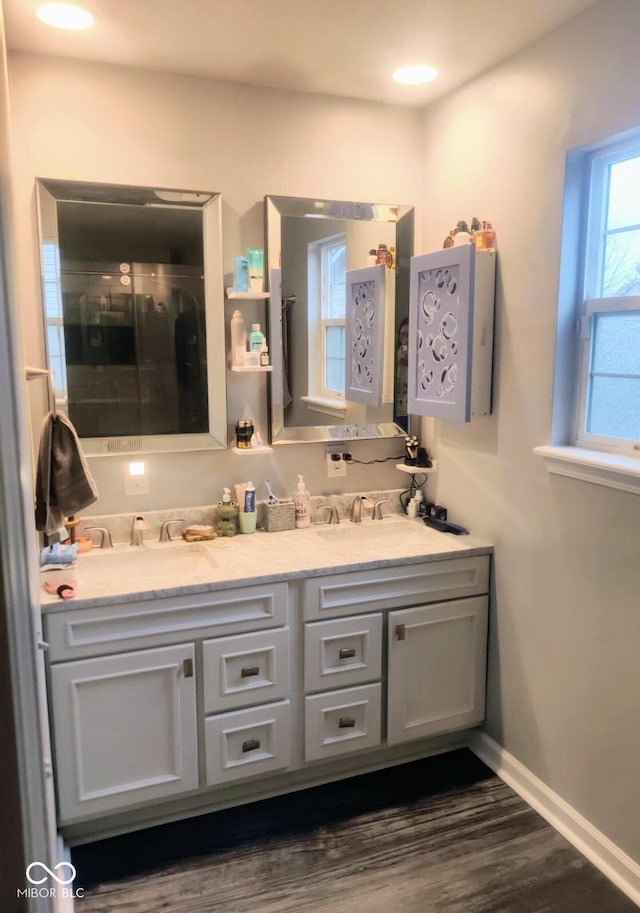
(436, 668)
(436, 654)
(125, 729)
(177, 705)
(138, 726)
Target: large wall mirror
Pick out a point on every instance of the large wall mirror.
(133, 306)
(311, 244)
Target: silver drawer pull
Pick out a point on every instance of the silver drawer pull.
(187, 668)
(346, 652)
(251, 745)
(248, 671)
(401, 632)
(346, 722)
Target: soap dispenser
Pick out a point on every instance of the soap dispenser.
(302, 502)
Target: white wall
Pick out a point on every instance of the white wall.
(565, 639)
(97, 123)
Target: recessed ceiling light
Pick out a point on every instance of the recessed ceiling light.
(414, 75)
(65, 16)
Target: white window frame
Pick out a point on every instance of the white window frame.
(318, 394)
(595, 202)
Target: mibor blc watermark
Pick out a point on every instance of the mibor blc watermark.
(46, 882)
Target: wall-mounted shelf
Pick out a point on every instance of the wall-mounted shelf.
(415, 470)
(247, 296)
(241, 369)
(252, 451)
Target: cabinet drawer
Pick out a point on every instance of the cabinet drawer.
(342, 652)
(248, 742)
(339, 722)
(75, 633)
(392, 587)
(245, 669)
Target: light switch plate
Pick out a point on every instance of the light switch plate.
(136, 485)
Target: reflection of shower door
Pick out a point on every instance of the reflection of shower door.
(170, 333)
(135, 354)
(99, 342)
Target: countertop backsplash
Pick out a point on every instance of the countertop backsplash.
(119, 525)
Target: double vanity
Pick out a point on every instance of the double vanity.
(190, 677)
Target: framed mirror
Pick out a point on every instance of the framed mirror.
(133, 307)
(311, 244)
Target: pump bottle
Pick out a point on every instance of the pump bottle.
(302, 503)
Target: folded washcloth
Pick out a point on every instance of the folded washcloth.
(59, 555)
(64, 484)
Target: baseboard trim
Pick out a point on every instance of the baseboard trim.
(615, 864)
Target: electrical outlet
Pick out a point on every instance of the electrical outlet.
(336, 466)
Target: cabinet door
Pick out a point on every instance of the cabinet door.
(437, 663)
(451, 333)
(124, 729)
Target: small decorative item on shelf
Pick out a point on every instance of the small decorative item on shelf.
(479, 233)
(244, 433)
(411, 450)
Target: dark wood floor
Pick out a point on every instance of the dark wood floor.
(442, 835)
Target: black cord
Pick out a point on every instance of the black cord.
(368, 462)
(410, 492)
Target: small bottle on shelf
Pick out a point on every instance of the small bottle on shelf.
(242, 274)
(238, 339)
(256, 338)
(264, 355)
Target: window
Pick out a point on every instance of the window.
(608, 405)
(332, 295)
(327, 323)
(54, 318)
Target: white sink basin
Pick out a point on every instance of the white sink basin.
(150, 562)
(346, 531)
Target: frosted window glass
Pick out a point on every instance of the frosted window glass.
(334, 360)
(624, 194)
(616, 344)
(335, 375)
(335, 342)
(614, 407)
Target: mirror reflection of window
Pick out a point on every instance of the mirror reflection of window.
(332, 279)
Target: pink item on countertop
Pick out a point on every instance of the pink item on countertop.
(63, 590)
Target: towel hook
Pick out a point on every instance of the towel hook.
(32, 373)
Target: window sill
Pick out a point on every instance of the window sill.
(609, 469)
(336, 408)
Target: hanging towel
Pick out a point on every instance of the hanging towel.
(64, 484)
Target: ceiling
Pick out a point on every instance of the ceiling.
(336, 47)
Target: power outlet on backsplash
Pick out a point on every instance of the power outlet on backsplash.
(336, 465)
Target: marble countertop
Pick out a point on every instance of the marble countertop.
(159, 570)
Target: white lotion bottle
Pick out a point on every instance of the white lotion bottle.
(302, 503)
(238, 339)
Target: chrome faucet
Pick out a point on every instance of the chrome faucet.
(138, 526)
(359, 502)
(377, 508)
(165, 531)
(105, 536)
(334, 516)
